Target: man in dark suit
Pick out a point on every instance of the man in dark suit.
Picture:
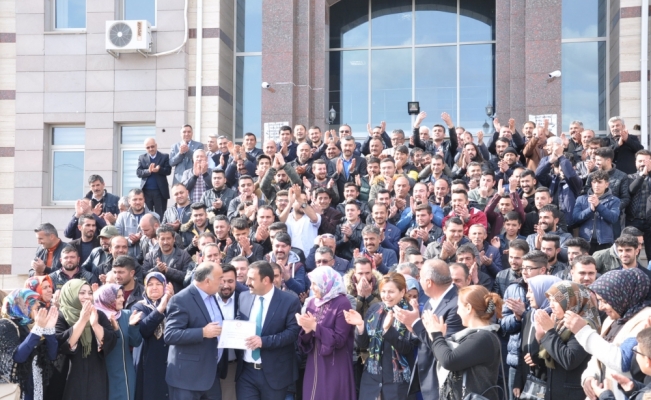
(153, 169)
(437, 283)
(348, 165)
(268, 367)
(193, 325)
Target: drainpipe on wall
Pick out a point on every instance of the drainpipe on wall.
(198, 72)
(644, 67)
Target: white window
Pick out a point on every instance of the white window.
(67, 167)
(69, 14)
(132, 139)
(140, 9)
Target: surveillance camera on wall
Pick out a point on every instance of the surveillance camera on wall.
(555, 74)
(266, 85)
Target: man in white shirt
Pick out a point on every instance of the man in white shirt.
(303, 222)
(227, 300)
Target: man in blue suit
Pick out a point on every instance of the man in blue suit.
(192, 329)
(268, 367)
(153, 169)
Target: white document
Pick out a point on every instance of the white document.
(235, 333)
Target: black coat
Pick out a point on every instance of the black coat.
(87, 378)
(162, 160)
(360, 169)
(152, 365)
(41, 253)
(176, 267)
(345, 248)
(564, 381)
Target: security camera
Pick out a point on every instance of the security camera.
(555, 74)
(267, 85)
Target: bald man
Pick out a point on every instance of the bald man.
(153, 169)
(303, 162)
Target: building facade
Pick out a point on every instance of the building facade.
(69, 109)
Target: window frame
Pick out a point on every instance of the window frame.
(129, 147)
(71, 30)
(124, 17)
(72, 148)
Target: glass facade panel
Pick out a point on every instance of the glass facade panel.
(391, 87)
(140, 9)
(436, 80)
(349, 88)
(129, 166)
(476, 77)
(68, 175)
(477, 20)
(392, 22)
(349, 24)
(136, 135)
(436, 21)
(584, 19)
(584, 84)
(249, 25)
(70, 14)
(248, 111)
(68, 136)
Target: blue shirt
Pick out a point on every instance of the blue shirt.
(347, 165)
(213, 310)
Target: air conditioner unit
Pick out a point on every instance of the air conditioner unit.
(128, 36)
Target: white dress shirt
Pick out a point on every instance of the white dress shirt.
(248, 356)
(303, 231)
(228, 312)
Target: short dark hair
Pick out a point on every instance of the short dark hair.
(466, 249)
(239, 223)
(583, 259)
(285, 128)
(208, 234)
(537, 257)
(464, 267)
(627, 241)
(411, 242)
(82, 219)
(283, 237)
(644, 340)
(68, 248)
(631, 230)
(412, 251)
(94, 178)
(228, 268)
(513, 216)
(550, 208)
(165, 229)
(543, 189)
(581, 243)
(47, 228)
(262, 157)
(352, 202)
(244, 177)
(198, 206)
(361, 260)
(265, 270)
(278, 226)
(221, 217)
(528, 172)
(127, 262)
(600, 175)
(461, 191)
(218, 171)
(372, 160)
(351, 184)
(605, 152)
(322, 190)
(548, 237)
(460, 182)
(519, 244)
(453, 220)
(249, 134)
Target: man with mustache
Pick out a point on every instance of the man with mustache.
(293, 270)
(70, 269)
(548, 223)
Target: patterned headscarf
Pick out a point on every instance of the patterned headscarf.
(624, 290)
(329, 282)
(539, 285)
(106, 299)
(70, 307)
(18, 304)
(35, 283)
(151, 304)
(578, 299)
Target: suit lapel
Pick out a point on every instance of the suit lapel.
(202, 306)
(273, 305)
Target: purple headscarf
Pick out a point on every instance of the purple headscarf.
(329, 282)
(105, 300)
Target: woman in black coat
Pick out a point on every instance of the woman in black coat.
(152, 365)
(564, 357)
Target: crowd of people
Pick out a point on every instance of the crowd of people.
(438, 265)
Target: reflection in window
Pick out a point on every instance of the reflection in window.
(584, 19)
(584, 84)
(349, 24)
(476, 80)
(249, 25)
(436, 80)
(140, 9)
(392, 20)
(441, 14)
(391, 86)
(132, 139)
(349, 70)
(67, 163)
(477, 20)
(70, 14)
(248, 107)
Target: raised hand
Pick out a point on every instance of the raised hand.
(447, 119)
(52, 316)
(135, 318)
(419, 119)
(40, 317)
(353, 318)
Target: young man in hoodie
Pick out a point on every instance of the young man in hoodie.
(596, 212)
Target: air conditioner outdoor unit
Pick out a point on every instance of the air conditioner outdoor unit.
(128, 36)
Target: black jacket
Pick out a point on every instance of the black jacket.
(109, 202)
(345, 248)
(41, 253)
(59, 278)
(234, 250)
(162, 160)
(176, 267)
(77, 245)
(564, 381)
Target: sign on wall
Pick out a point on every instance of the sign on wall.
(272, 130)
(540, 121)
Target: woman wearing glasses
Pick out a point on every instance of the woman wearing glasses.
(622, 296)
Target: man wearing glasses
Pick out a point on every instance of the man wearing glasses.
(323, 253)
(153, 169)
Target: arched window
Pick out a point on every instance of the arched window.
(384, 53)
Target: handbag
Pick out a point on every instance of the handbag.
(465, 395)
(10, 391)
(534, 388)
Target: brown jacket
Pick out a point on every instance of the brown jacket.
(534, 152)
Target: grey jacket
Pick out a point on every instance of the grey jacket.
(269, 189)
(211, 195)
(607, 259)
(127, 224)
(182, 162)
(172, 214)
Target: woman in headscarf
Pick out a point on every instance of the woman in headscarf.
(528, 360)
(564, 357)
(390, 346)
(85, 336)
(43, 286)
(27, 343)
(109, 299)
(152, 364)
(622, 296)
(326, 338)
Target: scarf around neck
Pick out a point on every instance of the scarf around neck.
(401, 370)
